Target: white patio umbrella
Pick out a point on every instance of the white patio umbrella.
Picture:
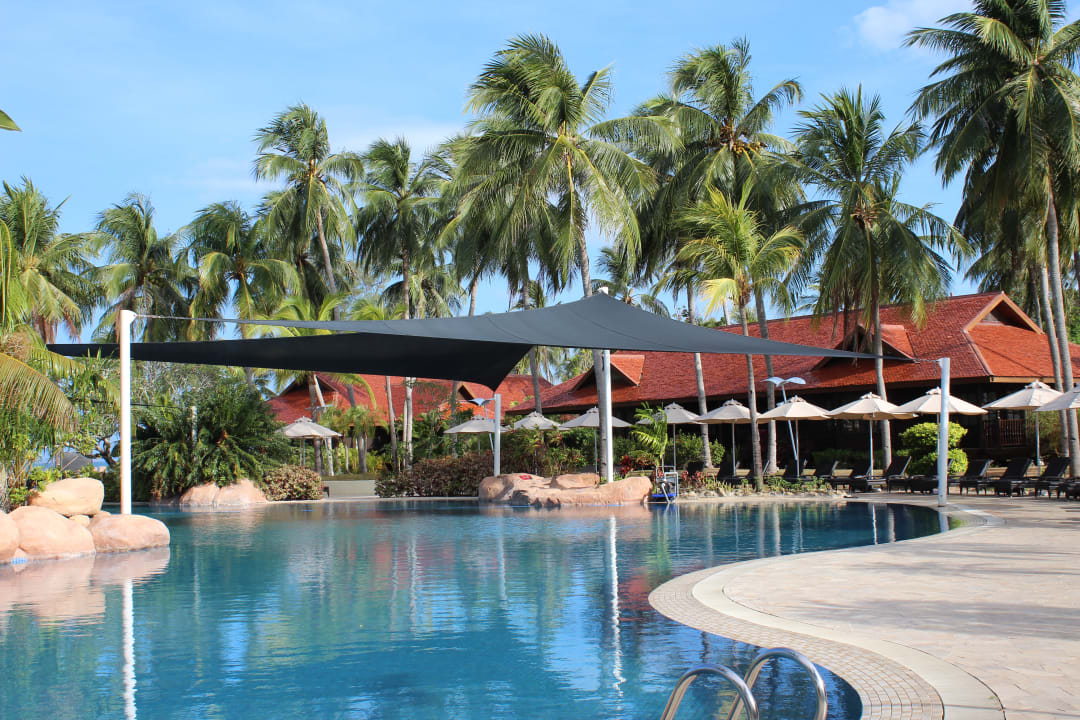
(304, 429)
(674, 414)
(591, 419)
(476, 425)
(733, 413)
(795, 409)
(930, 404)
(870, 407)
(1030, 397)
(1069, 400)
(535, 421)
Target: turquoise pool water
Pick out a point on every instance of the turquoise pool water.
(403, 610)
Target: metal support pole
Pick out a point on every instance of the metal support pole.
(943, 437)
(609, 451)
(497, 438)
(127, 317)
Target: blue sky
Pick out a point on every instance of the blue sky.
(163, 99)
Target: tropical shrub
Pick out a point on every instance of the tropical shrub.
(651, 433)
(292, 482)
(920, 442)
(549, 453)
(236, 437)
(438, 477)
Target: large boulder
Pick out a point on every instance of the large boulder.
(240, 494)
(498, 488)
(574, 481)
(45, 533)
(200, 495)
(71, 496)
(521, 490)
(119, 533)
(9, 538)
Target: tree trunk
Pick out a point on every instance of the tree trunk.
(407, 412)
(751, 403)
(330, 281)
(699, 378)
(361, 442)
(1055, 355)
(315, 403)
(879, 371)
(390, 423)
(598, 356)
(1053, 260)
(537, 403)
(770, 389)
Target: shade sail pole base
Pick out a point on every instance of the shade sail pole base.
(497, 435)
(943, 437)
(605, 414)
(127, 317)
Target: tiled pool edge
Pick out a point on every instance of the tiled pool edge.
(893, 682)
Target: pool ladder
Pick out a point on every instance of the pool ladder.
(744, 686)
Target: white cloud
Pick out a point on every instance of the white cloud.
(883, 27)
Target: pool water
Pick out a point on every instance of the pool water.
(405, 610)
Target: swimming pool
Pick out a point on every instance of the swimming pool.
(403, 610)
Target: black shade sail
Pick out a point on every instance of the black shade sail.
(482, 349)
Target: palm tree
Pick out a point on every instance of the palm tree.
(866, 246)
(235, 267)
(622, 284)
(295, 147)
(399, 226)
(1006, 109)
(727, 243)
(544, 157)
(54, 270)
(6, 123)
(369, 309)
(144, 273)
(725, 143)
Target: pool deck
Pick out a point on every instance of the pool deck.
(980, 622)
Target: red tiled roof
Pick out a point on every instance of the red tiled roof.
(295, 402)
(986, 336)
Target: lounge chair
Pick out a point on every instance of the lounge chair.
(1071, 490)
(837, 481)
(1053, 476)
(1012, 479)
(793, 470)
(824, 471)
(895, 471)
(733, 478)
(975, 477)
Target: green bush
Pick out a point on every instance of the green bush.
(438, 477)
(237, 436)
(920, 442)
(292, 482)
(550, 453)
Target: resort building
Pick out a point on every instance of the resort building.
(995, 349)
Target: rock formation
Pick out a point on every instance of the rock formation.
(71, 496)
(9, 538)
(118, 533)
(45, 533)
(241, 493)
(577, 489)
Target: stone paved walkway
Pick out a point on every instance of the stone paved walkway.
(988, 616)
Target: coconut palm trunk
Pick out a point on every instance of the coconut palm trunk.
(1057, 297)
(770, 389)
(879, 371)
(407, 412)
(314, 405)
(391, 425)
(699, 378)
(1051, 338)
(751, 403)
(598, 357)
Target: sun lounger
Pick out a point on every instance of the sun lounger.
(895, 471)
(1013, 478)
(824, 471)
(1053, 476)
(975, 474)
(793, 471)
(733, 478)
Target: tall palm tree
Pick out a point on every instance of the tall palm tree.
(1006, 110)
(6, 123)
(54, 270)
(398, 224)
(725, 143)
(726, 241)
(540, 144)
(145, 273)
(866, 246)
(295, 147)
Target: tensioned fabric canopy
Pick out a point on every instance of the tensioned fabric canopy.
(481, 349)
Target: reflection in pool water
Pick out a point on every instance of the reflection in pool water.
(404, 610)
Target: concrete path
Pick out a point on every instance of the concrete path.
(992, 607)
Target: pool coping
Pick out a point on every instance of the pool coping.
(893, 681)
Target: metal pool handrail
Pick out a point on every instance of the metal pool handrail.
(745, 696)
(763, 657)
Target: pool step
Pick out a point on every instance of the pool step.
(744, 686)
